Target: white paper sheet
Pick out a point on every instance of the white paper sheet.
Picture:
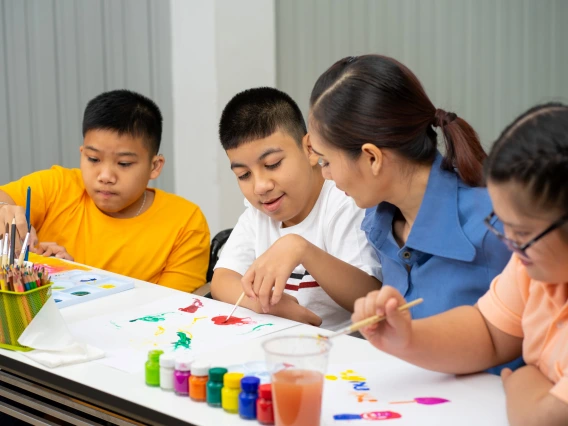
(176, 324)
(376, 391)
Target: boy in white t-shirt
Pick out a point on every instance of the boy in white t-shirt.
(295, 221)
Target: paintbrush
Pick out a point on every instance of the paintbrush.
(236, 306)
(371, 320)
(5, 248)
(23, 252)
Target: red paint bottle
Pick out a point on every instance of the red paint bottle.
(264, 407)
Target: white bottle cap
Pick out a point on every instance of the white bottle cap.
(200, 369)
(183, 363)
(167, 360)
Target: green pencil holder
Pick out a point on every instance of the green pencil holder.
(17, 310)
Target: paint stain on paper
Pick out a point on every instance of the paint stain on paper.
(197, 319)
(191, 309)
(159, 331)
(152, 318)
(184, 341)
(364, 397)
(372, 415)
(258, 327)
(351, 376)
(220, 320)
(424, 401)
(115, 324)
(331, 377)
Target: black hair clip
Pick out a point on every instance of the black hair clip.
(351, 59)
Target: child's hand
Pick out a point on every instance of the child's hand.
(8, 212)
(266, 278)
(52, 249)
(396, 330)
(289, 308)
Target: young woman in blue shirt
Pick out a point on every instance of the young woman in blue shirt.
(373, 127)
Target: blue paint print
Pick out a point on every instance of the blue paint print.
(347, 417)
(360, 386)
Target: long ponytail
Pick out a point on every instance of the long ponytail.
(464, 152)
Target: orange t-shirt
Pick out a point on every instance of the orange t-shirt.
(168, 244)
(537, 312)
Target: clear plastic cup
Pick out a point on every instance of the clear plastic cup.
(297, 365)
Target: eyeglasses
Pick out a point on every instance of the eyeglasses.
(521, 248)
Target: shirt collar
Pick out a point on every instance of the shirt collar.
(437, 229)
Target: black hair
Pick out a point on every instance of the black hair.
(533, 151)
(256, 114)
(376, 99)
(125, 112)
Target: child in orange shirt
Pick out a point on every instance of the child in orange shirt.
(104, 215)
(526, 309)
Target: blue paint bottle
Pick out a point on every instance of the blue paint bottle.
(248, 397)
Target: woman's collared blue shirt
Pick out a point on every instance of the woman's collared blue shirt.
(450, 257)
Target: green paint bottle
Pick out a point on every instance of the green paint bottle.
(153, 368)
(214, 386)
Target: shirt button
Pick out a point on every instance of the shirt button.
(406, 255)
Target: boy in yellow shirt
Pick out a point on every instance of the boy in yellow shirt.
(103, 214)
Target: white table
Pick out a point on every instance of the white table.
(126, 394)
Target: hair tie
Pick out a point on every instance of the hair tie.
(443, 118)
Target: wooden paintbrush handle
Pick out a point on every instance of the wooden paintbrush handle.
(376, 318)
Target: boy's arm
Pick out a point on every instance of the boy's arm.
(186, 267)
(530, 401)
(343, 282)
(226, 286)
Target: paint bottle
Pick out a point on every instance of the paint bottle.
(264, 407)
(182, 373)
(153, 368)
(248, 397)
(167, 364)
(198, 381)
(230, 392)
(214, 386)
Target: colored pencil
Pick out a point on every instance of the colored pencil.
(13, 242)
(28, 208)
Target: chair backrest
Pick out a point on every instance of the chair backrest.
(216, 244)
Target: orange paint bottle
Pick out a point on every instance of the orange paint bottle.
(198, 381)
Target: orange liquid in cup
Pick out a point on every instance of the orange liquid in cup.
(297, 397)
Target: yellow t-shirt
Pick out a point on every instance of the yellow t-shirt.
(168, 244)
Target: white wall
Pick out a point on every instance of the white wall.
(486, 60)
(219, 47)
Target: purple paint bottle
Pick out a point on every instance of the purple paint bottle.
(181, 375)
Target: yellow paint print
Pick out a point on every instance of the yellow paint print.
(197, 319)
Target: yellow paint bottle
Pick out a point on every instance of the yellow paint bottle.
(230, 392)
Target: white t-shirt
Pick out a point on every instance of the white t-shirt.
(333, 225)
